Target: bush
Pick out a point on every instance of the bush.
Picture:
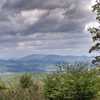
(71, 86)
(26, 81)
(2, 85)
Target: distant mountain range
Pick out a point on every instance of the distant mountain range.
(54, 59)
(38, 63)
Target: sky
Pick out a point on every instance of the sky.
(45, 27)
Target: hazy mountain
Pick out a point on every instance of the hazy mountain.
(38, 62)
(55, 58)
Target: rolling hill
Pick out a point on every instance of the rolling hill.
(38, 63)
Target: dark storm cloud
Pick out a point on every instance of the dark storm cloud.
(39, 4)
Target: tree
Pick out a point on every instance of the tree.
(95, 32)
(71, 85)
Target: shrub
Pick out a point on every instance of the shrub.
(26, 81)
(71, 86)
(2, 85)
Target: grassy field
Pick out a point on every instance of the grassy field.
(14, 78)
(72, 84)
(11, 87)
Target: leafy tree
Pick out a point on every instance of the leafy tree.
(72, 84)
(95, 31)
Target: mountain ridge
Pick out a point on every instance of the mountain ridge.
(40, 62)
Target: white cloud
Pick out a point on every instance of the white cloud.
(24, 45)
(32, 16)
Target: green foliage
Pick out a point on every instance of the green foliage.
(28, 89)
(26, 81)
(2, 85)
(75, 83)
(71, 86)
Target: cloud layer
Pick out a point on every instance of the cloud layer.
(29, 25)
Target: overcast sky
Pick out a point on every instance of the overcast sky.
(45, 27)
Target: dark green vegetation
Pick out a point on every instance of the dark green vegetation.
(72, 86)
(74, 82)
